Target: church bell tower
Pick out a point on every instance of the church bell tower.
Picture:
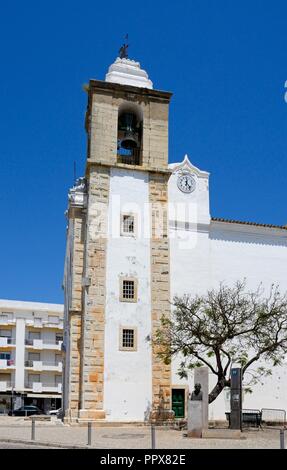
(117, 258)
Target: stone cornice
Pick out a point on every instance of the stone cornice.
(91, 163)
(110, 89)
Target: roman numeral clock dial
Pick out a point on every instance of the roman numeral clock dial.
(186, 183)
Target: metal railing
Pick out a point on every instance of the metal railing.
(132, 158)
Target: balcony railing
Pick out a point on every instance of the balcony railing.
(32, 363)
(53, 342)
(52, 364)
(49, 324)
(30, 384)
(6, 363)
(43, 387)
(7, 341)
(44, 324)
(7, 321)
(5, 385)
(43, 344)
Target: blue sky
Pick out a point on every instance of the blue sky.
(225, 62)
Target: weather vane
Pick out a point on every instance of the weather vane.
(123, 52)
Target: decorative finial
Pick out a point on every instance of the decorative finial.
(123, 52)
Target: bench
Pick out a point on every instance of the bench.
(249, 417)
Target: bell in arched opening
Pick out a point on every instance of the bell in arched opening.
(129, 130)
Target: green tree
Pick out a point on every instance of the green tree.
(227, 325)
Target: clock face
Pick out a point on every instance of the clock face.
(186, 183)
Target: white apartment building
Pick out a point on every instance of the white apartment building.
(31, 337)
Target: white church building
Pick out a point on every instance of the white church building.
(139, 232)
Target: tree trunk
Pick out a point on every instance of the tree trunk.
(221, 383)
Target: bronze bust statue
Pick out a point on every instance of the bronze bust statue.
(197, 393)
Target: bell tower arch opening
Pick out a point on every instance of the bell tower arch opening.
(130, 132)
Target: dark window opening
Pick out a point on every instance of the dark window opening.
(128, 338)
(129, 139)
(128, 289)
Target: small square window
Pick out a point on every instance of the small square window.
(128, 339)
(128, 289)
(128, 224)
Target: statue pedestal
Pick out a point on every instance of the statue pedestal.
(195, 418)
(201, 376)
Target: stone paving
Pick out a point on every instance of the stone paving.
(130, 437)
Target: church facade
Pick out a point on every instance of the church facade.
(139, 232)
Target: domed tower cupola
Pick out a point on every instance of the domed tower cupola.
(128, 72)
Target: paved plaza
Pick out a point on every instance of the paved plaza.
(54, 433)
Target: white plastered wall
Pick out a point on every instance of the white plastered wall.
(205, 253)
(128, 376)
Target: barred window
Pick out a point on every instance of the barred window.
(128, 224)
(128, 339)
(128, 289)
